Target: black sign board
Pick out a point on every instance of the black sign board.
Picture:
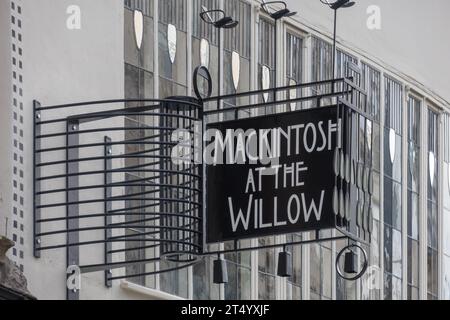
(272, 175)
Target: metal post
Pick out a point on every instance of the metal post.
(334, 50)
(72, 196)
(219, 82)
(108, 207)
(36, 175)
(275, 82)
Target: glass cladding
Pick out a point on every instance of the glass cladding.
(239, 273)
(294, 283)
(446, 204)
(200, 29)
(294, 66)
(138, 69)
(371, 82)
(266, 59)
(237, 50)
(371, 284)
(173, 12)
(146, 6)
(393, 190)
(205, 38)
(432, 205)
(414, 106)
(399, 192)
(237, 39)
(321, 66)
(172, 41)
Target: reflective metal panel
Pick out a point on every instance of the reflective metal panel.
(265, 81)
(138, 27)
(432, 162)
(236, 68)
(204, 53)
(172, 41)
(392, 144)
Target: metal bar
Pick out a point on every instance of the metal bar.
(285, 101)
(115, 185)
(111, 227)
(122, 114)
(170, 200)
(100, 215)
(120, 170)
(36, 183)
(52, 135)
(101, 102)
(284, 88)
(108, 206)
(86, 243)
(72, 210)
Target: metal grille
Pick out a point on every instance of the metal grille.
(108, 187)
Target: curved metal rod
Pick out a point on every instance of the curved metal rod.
(123, 239)
(122, 114)
(204, 15)
(102, 102)
(111, 227)
(121, 170)
(101, 215)
(121, 185)
(60, 134)
(172, 200)
(184, 266)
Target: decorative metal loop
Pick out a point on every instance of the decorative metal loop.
(223, 22)
(207, 76)
(282, 13)
(365, 264)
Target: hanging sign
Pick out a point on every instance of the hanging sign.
(271, 175)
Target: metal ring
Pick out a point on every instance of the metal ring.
(364, 268)
(207, 77)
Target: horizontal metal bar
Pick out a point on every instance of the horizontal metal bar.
(273, 103)
(285, 88)
(180, 186)
(154, 272)
(88, 243)
(122, 170)
(100, 215)
(99, 158)
(123, 114)
(128, 129)
(115, 143)
(169, 200)
(156, 227)
(153, 246)
(111, 101)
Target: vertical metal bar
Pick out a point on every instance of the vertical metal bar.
(108, 206)
(36, 174)
(72, 210)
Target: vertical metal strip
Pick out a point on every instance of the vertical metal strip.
(108, 207)
(36, 176)
(72, 196)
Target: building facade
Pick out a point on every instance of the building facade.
(79, 50)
